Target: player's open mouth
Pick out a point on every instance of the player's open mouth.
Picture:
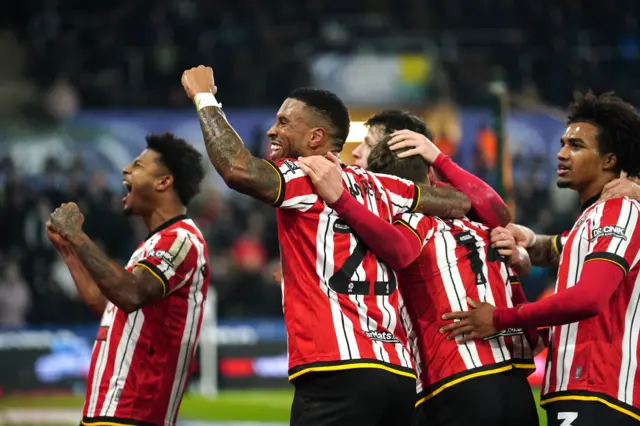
(127, 186)
(276, 150)
(563, 170)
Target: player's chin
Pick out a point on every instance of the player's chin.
(563, 183)
(127, 210)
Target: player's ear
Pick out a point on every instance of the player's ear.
(610, 161)
(164, 182)
(317, 137)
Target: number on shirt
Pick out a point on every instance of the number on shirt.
(469, 241)
(567, 417)
(341, 282)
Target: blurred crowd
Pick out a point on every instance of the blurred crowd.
(68, 54)
(36, 287)
(123, 53)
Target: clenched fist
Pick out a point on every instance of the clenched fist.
(67, 221)
(198, 80)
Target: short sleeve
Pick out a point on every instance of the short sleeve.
(612, 236)
(404, 194)
(422, 226)
(296, 190)
(172, 258)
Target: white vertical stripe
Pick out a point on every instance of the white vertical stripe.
(569, 332)
(388, 314)
(191, 330)
(324, 267)
(456, 293)
(101, 359)
(124, 355)
(629, 348)
(498, 346)
(627, 220)
(366, 322)
(549, 362)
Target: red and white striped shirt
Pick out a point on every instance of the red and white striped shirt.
(340, 302)
(597, 358)
(456, 262)
(140, 361)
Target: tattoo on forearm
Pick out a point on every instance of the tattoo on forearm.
(239, 169)
(442, 202)
(117, 284)
(543, 252)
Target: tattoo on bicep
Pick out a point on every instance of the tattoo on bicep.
(150, 287)
(239, 169)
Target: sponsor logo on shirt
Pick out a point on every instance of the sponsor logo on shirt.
(381, 336)
(161, 254)
(608, 231)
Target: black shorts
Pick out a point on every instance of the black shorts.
(364, 396)
(501, 399)
(585, 413)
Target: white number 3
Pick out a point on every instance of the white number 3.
(567, 418)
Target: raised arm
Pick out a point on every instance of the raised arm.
(444, 202)
(87, 287)
(129, 291)
(488, 207)
(240, 170)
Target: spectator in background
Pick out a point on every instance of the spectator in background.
(15, 297)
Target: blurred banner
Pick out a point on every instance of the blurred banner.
(251, 354)
(373, 78)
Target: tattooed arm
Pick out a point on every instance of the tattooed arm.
(129, 291)
(87, 287)
(444, 202)
(543, 251)
(239, 169)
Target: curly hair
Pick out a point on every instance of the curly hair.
(618, 124)
(183, 161)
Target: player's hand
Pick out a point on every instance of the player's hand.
(418, 143)
(524, 236)
(622, 187)
(474, 324)
(325, 174)
(198, 80)
(67, 221)
(58, 242)
(502, 239)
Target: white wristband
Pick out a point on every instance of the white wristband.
(202, 100)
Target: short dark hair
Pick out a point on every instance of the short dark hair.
(382, 160)
(330, 107)
(183, 161)
(618, 125)
(394, 119)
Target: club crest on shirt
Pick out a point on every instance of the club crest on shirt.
(608, 231)
(381, 336)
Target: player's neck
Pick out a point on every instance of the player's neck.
(595, 188)
(162, 215)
